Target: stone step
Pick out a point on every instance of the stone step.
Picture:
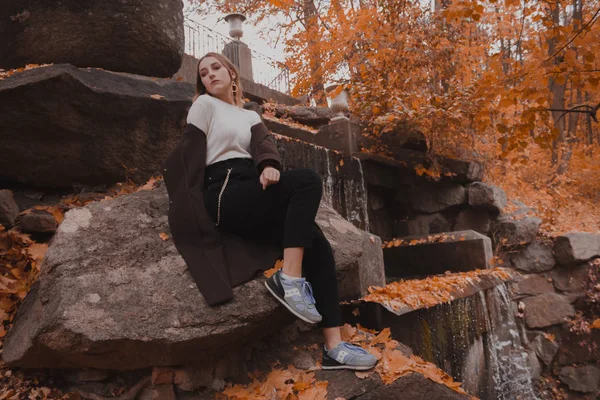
(448, 333)
(415, 256)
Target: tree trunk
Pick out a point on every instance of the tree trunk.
(557, 92)
(311, 23)
(574, 117)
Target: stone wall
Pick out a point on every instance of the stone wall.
(556, 277)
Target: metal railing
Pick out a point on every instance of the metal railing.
(200, 39)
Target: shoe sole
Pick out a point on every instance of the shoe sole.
(302, 317)
(354, 368)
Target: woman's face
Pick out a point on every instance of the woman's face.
(215, 76)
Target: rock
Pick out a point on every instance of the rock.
(29, 199)
(413, 386)
(404, 169)
(512, 232)
(438, 199)
(303, 360)
(104, 121)
(38, 221)
(425, 224)
(523, 208)
(357, 253)
(547, 309)
(311, 116)
(537, 257)
(584, 379)
(435, 254)
(545, 348)
(575, 248)
(218, 384)
(572, 279)
(9, 211)
(85, 375)
(158, 392)
(485, 196)
(193, 378)
(579, 348)
(162, 375)
(532, 285)
(477, 220)
(534, 365)
(144, 38)
(112, 294)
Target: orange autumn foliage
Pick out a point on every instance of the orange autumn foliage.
(428, 292)
(285, 384)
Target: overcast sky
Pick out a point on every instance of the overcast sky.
(251, 36)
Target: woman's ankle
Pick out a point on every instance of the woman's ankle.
(332, 337)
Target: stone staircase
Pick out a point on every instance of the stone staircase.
(425, 255)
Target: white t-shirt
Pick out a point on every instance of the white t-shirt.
(227, 127)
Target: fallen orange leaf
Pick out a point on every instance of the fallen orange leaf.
(278, 265)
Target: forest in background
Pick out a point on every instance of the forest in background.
(513, 84)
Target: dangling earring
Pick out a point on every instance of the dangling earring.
(234, 87)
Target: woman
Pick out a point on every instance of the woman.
(224, 181)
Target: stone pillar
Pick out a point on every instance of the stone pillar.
(239, 54)
(339, 135)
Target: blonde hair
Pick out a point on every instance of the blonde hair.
(201, 89)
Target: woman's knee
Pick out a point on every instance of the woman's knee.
(306, 176)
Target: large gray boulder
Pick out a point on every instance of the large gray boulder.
(544, 348)
(547, 309)
(424, 224)
(571, 279)
(486, 196)
(577, 247)
(95, 124)
(532, 285)
(537, 257)
(475, 219)
(438, 199)
(582, 378)
(510, 230)
(136, 36)
(113, 294)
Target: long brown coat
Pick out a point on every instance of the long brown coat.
(217, 261)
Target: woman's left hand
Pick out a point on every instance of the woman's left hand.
(268, 177)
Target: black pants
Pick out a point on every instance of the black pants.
(284, 213)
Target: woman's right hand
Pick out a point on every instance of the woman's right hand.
(269, 176)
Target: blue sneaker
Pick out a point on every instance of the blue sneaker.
(296, 295)
(348, 356)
